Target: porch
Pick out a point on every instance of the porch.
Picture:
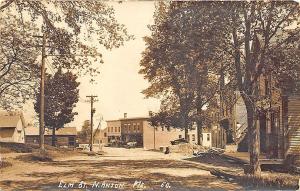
(244, 157)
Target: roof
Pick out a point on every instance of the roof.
(7, 121)
(135, 118)
(65, 131)
(61, 131)
(31, 130)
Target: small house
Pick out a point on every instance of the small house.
(12, 127)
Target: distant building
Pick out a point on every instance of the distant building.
(139, 130)
(101, 136)
(113, 130)
(65, 137)
(132, 129)
(12, 127)
(156, 137)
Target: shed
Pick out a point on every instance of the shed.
(65, 137)
(12, 128)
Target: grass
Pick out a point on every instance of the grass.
(42, 156)
(4, 164)
(265, 181)
(15, 147)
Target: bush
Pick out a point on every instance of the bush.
(4, 164)
(42, 156)
(16, 147)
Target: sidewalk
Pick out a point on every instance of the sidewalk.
(243, 157)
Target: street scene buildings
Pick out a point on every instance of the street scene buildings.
(149, 95)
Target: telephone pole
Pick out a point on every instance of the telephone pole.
(92, 100)
(42, 87)
(42, 93)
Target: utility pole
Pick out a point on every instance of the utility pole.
(92, 100)
(42, 87)
(42, 93)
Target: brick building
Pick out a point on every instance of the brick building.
(113, 130)
(132, 129)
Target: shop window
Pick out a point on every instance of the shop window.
(71, 141)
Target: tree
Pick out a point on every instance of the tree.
(70, 27)
(257, 30)
(18, 67)
(239, 41)
(181, 62)
(61, 96)
(85, 133)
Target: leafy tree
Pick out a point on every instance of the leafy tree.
(61, 96)
(258, 30)
(240, 41)
(18, 67)
(73, 30)
(180, 64)
(85, 133)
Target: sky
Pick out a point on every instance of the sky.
(119, 85)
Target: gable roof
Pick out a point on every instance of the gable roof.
(7, 121)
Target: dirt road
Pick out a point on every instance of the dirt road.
(118, 169)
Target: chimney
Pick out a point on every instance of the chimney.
(150, 113)
(125, 115)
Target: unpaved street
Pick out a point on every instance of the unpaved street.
(119, 168)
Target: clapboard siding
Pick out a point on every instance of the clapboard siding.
(293, 125)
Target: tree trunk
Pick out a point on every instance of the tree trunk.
(199, 132)
(53, 137)
(253, 138)
(186, 133)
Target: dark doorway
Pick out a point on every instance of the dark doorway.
(274, 134)
(263, 132)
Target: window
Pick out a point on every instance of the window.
(208, 137)
(116, 129)
(193, 137)
(180, 136)
(105, 135)
(162, 128)
(119, 129)
(267, 89)
(138, 127)
(71, 141)
(134, 127)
